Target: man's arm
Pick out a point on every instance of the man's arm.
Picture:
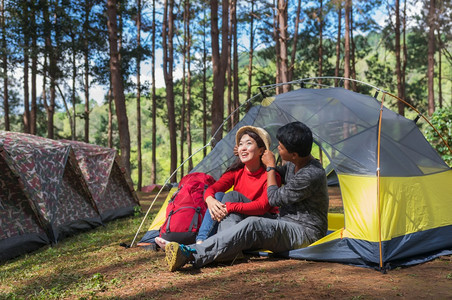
(268, 159)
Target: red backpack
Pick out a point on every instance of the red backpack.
(186, 209)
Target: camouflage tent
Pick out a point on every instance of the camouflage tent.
(21, 230)
(111, 188)
(45, 192)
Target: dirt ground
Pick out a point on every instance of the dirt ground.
(146, 277)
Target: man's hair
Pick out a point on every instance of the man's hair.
(296, 137)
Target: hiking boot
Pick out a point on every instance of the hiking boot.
(177, 255)
(161, 242)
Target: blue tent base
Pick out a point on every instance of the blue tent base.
(403, 251)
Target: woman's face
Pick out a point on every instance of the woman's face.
(248, 150)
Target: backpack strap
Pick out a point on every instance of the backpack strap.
(168, 221)
(194, 221)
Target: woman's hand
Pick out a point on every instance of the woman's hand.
(236, 150)
(217, 209)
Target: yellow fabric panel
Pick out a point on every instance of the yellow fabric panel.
(338, 234)
(335, 221)
(359, 197)
(161, 215)
(413, 204)
(408, 205)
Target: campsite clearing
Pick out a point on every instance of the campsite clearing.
(93, 265)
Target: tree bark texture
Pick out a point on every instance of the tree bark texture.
(347, 71)
(118, 86)
(400, 105)
(154, 103)
(139, 160)
(283, 39)
(219, 64)
(168, 52)
(5, 69)
(295, 42)
(431, 57)
(338, 42)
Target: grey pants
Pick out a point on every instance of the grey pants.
(252, 233)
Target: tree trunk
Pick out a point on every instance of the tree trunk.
(347, 44)
(26, 117)
(189, 141)
(320, 40)
(110, 116)
(338, 42)
(34, 71)
(204, 87)
(167, 41)
(229, 69)
(440, 89)
(154, 103)
(184, 87)
(44, 85)
(86, 69)
(49, 49)
(400, 104)
(139, 162)
(278, 89)
(405, 53)
(352, 52)
(219, 64)
(118, 87)
(250, 56)
(5, 69)
(235, 61)
(283, 37)
(431, 57)
(74, 83)
(295, 42)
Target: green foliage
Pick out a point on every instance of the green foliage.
(442, 121)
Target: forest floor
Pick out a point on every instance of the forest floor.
(93, 265)
(264, 277)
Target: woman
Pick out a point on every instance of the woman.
(248, 178)
(247, 175)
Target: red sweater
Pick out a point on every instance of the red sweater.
(251, 185)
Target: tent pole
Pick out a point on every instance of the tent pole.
(378, 183)
(423, 117)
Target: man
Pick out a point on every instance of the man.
(303, 208)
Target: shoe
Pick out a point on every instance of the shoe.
(161, 242)
(177, 255)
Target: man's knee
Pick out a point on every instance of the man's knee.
(252, 222)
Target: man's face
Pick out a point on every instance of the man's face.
(285, 155)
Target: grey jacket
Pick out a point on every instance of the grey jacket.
(303, 198)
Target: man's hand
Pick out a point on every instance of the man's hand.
(268, 159)
(217, 209)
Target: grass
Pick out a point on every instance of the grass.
(67, 269)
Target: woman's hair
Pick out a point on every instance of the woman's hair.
(237, 164)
